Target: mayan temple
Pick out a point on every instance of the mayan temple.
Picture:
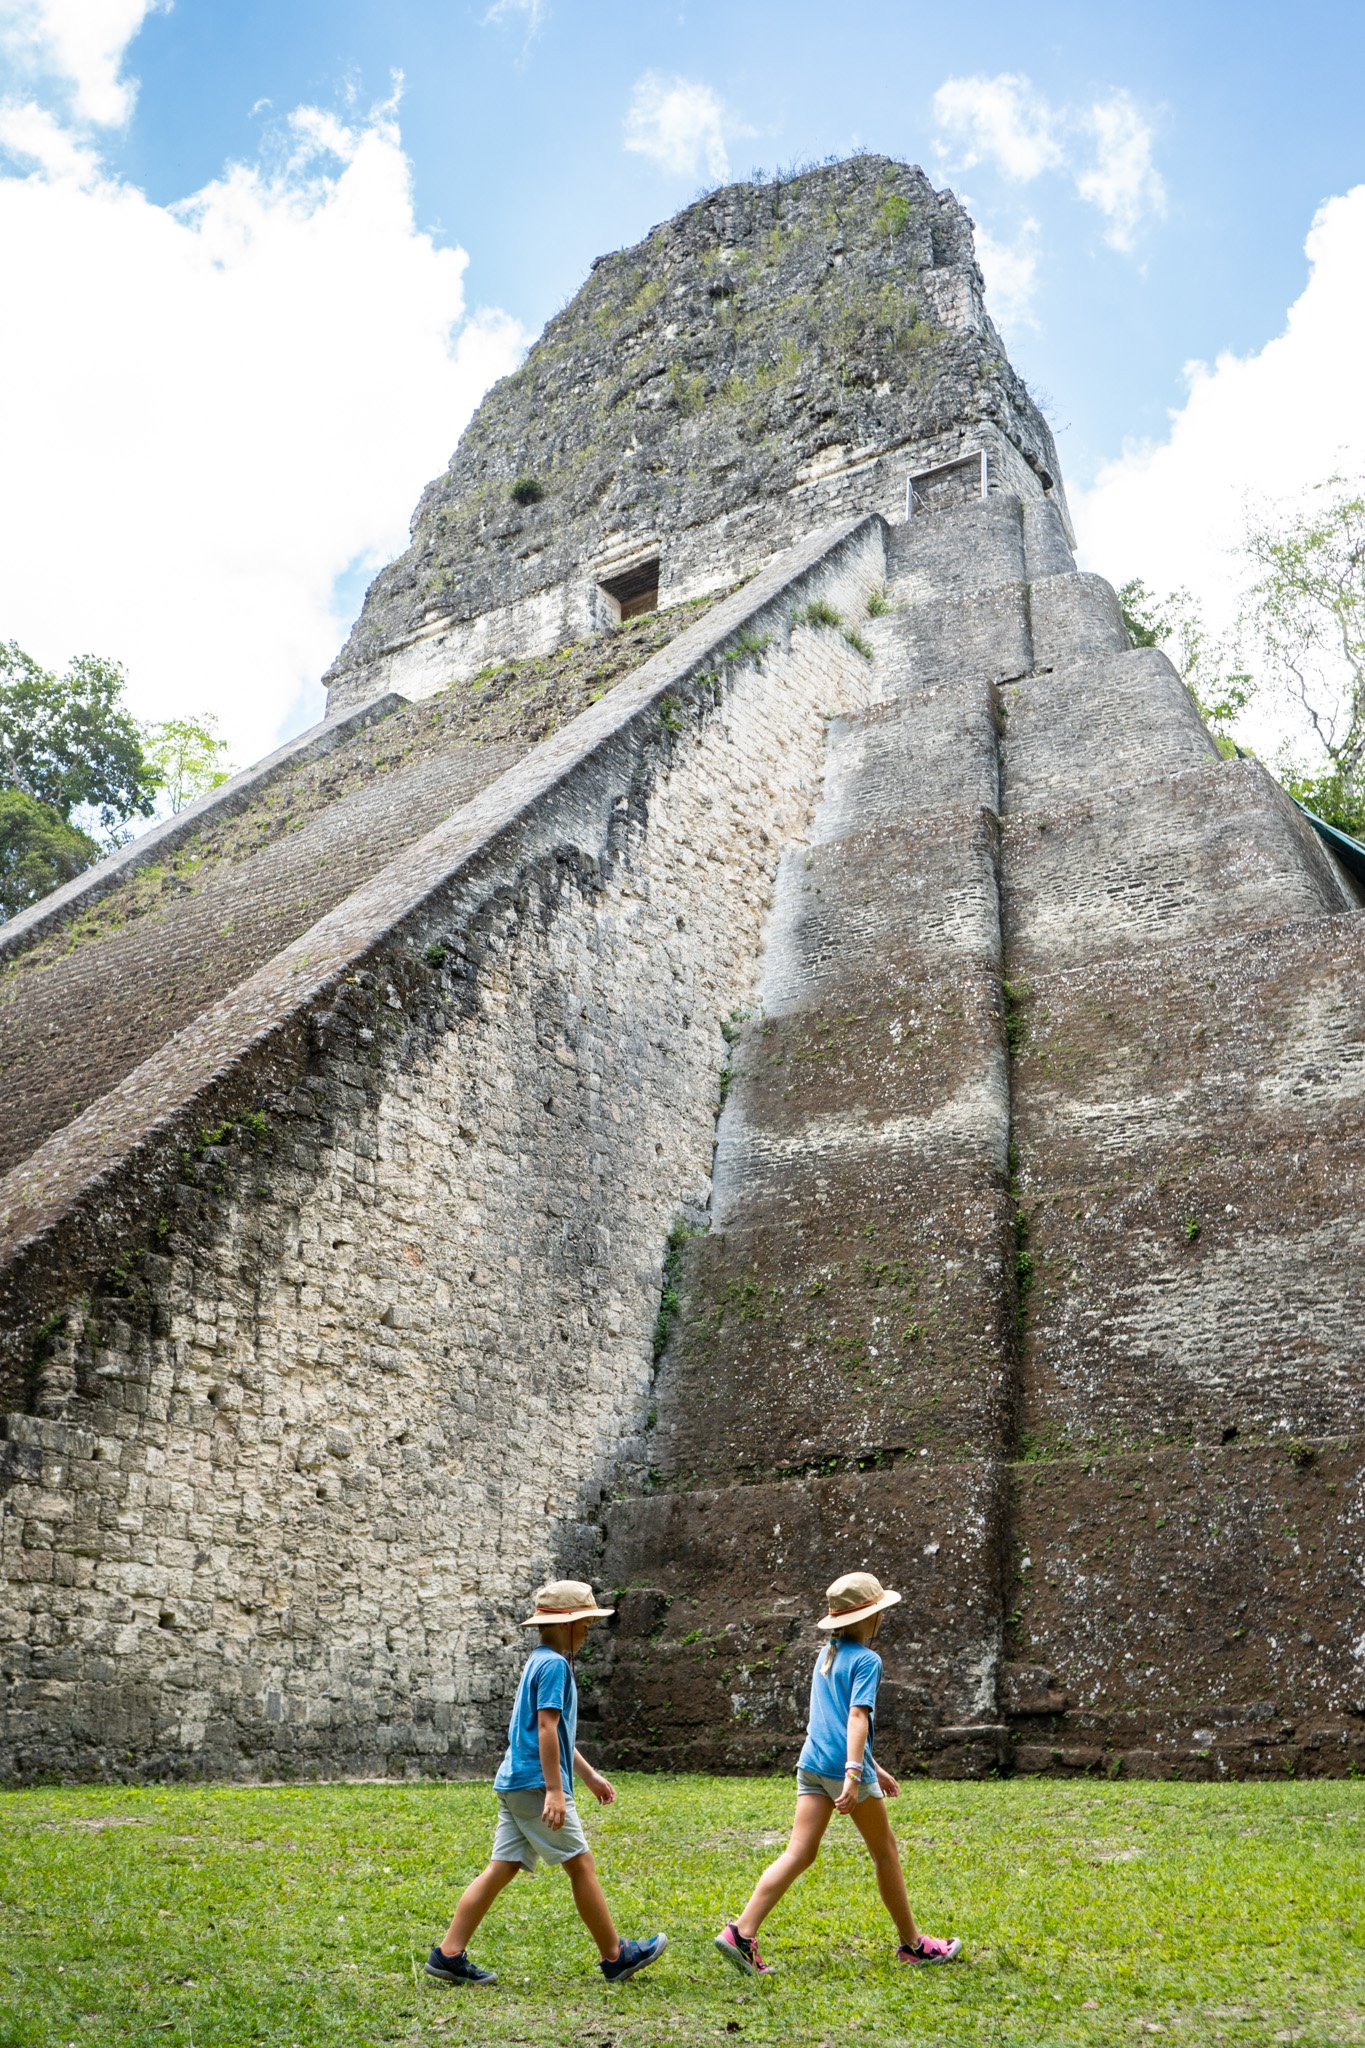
(759, 1037)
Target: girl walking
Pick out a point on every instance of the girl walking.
(836, 1773)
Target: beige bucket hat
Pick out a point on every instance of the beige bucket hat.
(564, 1600)
(855, 1597)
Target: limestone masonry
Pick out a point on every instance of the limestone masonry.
(761, 1038)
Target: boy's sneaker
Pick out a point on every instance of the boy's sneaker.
(929, 1949)
(635, 1955)
(738, 1949)
(457, 1969)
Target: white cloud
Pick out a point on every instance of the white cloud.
(81, 44)
(227, 403)
(31, 135)
(507, 13)
(1011, 273)
(1104, 148)
(1122, 181)
(1252, 429)
(680, 124)
(1000, 120)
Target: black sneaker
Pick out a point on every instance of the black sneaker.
(635, 1955)
(457, 1969)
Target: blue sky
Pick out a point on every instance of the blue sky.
(277, 367)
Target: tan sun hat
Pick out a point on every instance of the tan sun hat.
(564, 1600)
(855, 1597)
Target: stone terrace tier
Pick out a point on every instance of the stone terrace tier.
(1033, 1231)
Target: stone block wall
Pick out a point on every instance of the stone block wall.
(1034, 1241)
(324, 1324)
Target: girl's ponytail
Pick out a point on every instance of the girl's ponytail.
(827, 1661)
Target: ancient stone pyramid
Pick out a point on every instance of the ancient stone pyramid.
(761, 1037)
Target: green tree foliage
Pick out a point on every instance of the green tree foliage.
(1305, 618)
(69, 741)
(1220, 688)
(1299, 641)
(39, 850)
(74, 762)
(187, 759)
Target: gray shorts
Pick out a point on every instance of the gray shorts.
(522, 1836)
(815, 1781)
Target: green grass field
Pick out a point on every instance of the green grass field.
(217, 1917)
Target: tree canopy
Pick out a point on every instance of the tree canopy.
(76, 768)
(1298, 644)
(69, 742)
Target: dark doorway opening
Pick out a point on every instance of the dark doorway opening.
(634, 590)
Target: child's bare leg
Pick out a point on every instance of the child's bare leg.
(813, 1812)
(593, 1909)
(474, 1903)
(873, 1824)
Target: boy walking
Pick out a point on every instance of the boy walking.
(535, 1787)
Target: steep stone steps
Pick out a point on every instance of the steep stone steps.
(837, 1385)
(927, 750)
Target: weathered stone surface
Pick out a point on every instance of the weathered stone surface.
(1159, 861)
(148, 946)
(1198, 1603)
(1183, 1129)
(359, 1377)
(728, 1680)
(1097, 723)
(986, 1191)
(768, 361)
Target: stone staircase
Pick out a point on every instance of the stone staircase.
(1028, 1268)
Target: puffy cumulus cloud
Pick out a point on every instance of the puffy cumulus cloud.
(1122, 181)
(223, 406)
(680, 125)
(1253, 430)
(1011, 273)
(1000, 120)
(1105, 149)
(80, 45)
(32, 136)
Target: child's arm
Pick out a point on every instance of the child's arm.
(859, 1727)
(602, 1790)
(547, 1739)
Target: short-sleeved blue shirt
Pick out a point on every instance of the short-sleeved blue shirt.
(547, 1681)
(852, 1683)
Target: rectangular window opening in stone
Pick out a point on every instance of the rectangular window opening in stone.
(948, 483)
(634, 591)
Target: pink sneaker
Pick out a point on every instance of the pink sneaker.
(929, 1949)
(743, 1953)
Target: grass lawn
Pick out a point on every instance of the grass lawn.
(217, 1917)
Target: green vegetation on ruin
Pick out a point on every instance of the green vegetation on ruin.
(686, 360)
(1093, 1914)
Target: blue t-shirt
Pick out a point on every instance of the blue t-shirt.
(547, 1681)
(852, 1683)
